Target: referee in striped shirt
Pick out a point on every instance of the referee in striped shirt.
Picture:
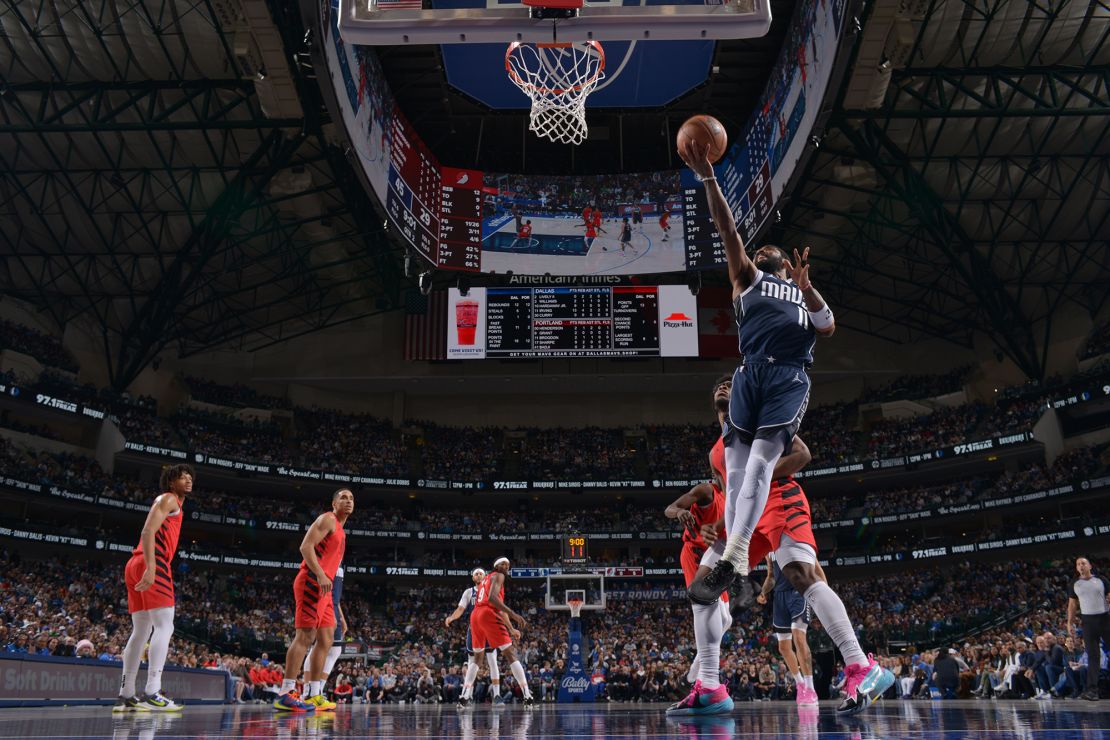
(1090, 593)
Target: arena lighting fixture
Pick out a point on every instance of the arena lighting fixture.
(463, 284)
(425, 282)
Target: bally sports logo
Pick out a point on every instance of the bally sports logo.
(678, 320)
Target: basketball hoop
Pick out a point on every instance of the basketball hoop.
(558, 77)
(575, 607)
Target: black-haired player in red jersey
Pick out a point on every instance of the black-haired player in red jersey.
(323, 547)
(150, 595)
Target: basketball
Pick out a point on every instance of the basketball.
(705, 131)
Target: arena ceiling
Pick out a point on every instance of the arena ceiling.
(170, 172)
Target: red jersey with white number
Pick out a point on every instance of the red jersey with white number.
(484, 591)
(329, 551)
(525, 231)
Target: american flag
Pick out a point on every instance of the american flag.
(425, 325)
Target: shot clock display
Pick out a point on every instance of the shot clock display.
(574, 549)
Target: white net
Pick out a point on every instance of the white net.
(558, 78)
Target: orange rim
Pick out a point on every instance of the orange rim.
(596, 45)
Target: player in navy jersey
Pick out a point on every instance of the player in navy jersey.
(779, 315)
(466, 605)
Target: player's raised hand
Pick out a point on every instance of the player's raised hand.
(799, 269)
(696, 158)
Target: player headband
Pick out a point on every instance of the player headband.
(477, 572)
(499, 561)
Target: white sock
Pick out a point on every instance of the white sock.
(521, 679)
(308, 659)
(331, 659)
(749, 491)
(142, 624)
(468, 681)
(707, 632)
(288, 684)
(834, 618)
(799, 680)
(496, 688)
(808, 681)
(315, 688)
(159, 647)
(494, 671)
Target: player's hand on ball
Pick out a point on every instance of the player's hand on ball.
(799, 269)
(146, 581)
(709, 534)
(697, 158)
(761, 599)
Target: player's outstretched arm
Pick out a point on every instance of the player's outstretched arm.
(321, 528)
(819, 312)
(741, 270)
(680, 508)
(793, 461)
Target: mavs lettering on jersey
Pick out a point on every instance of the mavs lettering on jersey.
(773, 323)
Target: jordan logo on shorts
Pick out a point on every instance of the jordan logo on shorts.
(798, 378)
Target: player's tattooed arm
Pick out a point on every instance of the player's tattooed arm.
(820, 313)
(741, 269)
(679, 509)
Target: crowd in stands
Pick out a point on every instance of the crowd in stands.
(918, 387)
(639, 648)
(45, 348)
(235, 395)
(578, 454)
(944, 427)
(352, 443)
(460, 454)
(220, 434)
(556, 195)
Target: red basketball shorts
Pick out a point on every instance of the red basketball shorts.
(314, 609)
(787, 512)
(487, 632)
(158, 596)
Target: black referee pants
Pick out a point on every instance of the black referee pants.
(1096, 629)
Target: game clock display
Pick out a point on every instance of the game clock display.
(575, 549)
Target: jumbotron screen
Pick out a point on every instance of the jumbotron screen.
(614, 224)
(572, 321)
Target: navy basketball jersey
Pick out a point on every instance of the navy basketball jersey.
(773, 322)
(782, 583)
(468, 600)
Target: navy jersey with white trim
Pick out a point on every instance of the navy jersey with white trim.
(468, 600)
(773, 322)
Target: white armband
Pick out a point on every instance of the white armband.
(822, 318)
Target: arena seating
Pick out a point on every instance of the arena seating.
(45, 348)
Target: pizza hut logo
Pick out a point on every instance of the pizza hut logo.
(678, 320)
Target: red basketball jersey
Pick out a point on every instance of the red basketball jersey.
(484, 591)
(717, 458)
(329, 551)
(703, 515)
(165, 539)
(591, 231)
(525, 231)
(597, 218)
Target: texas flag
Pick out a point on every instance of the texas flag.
(716, 323)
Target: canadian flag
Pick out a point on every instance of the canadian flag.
(716, 323)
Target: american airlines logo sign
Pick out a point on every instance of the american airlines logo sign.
(678, 320)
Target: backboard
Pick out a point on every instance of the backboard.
(401, 22)
(562, 588)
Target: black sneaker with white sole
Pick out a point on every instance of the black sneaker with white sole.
(708, 589)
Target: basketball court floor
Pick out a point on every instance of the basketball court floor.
(1058, 720)
(647, 252)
